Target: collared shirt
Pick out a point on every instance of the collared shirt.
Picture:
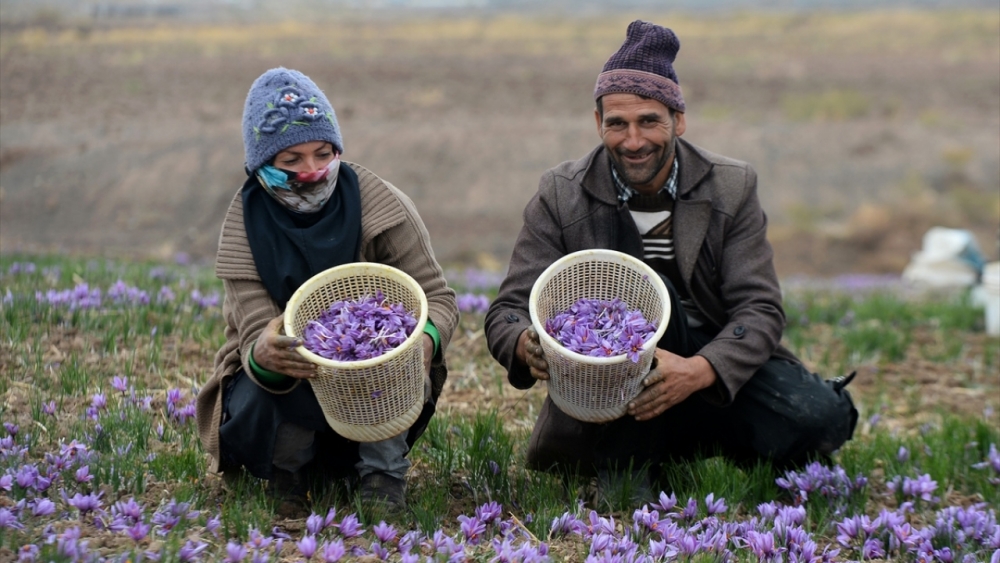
(625, 191)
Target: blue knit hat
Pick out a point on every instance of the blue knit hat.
(284, 108)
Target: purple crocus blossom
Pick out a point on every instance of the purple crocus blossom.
(9, 520)
(595, 327)
(235, 552)
(43, 507)
(307, 546)
(85, 503)
(384, 532)
(488, 512)
(359, 330)
(332, 551)
(314, 524)
(350, 527)
(472, 529)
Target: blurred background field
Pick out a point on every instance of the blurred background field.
(120, 122)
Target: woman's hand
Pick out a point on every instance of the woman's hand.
(529, 352)
(276, 352)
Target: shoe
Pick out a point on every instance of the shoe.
(291, 492)
(380, 488)
(611, 488)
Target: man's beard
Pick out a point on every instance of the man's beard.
(638, 175)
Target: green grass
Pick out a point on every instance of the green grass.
(465, 458)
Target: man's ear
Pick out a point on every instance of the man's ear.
(600, 125)
(680, 124)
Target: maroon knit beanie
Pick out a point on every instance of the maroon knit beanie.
(643, 65)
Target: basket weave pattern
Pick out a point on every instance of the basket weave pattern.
(587, 388)
(368, 400)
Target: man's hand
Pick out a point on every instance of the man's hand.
(276, 352)
(529, 352)
(673, 379)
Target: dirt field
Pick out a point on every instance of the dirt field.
(865, 129)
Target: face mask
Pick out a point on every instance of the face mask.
(302, 193)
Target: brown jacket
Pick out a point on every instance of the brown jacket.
(721, 247)
(392, 233)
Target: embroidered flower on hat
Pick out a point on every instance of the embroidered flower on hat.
(311, 111)
(289, 108)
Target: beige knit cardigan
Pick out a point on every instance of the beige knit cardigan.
(392, 233)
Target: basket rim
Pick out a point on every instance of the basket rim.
(597, 255)
(348, 270)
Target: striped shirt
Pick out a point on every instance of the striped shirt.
(653, 216)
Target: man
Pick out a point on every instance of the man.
(721, 382)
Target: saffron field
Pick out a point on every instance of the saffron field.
(100, 461)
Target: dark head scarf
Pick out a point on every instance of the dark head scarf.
(288, 247)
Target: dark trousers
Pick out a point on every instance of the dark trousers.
(783, 414)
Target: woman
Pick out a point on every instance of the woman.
(300, 212)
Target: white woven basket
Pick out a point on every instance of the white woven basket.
(584, 387)
(367, 400)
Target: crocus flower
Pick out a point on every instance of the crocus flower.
(307, 546)
(332, 551)
(384, 532)
(43, 507)
(314, 524)
(235, 552)
(472, 529)
(9, 520)
(349, 527)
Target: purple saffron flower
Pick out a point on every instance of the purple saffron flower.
(191, 551)
(83, 474)
(235, 552)
(138, 531)
(28, 553)
(666, 503)
(257, 541)
(99, 402)
(333, 551)
(314, 524)
(349, 527)
(307, 546)
(86, 503)
(922, 487)
(213, 525)
(410, 540)
(43, 507)
(6, 481)
(384, 532)
(9, 520)
(380, 552)
(120, 383)
(903, 455)
(130, 509)
(566, 524)
(713, 506)
(11, 428)
(691, 510)
(49, 408)
(873, 549)
(488, 512)
(330, 516)
(472, 529)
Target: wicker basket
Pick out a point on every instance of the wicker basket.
(367, 400)
(584, 387)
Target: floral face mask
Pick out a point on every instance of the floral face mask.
(300, 192)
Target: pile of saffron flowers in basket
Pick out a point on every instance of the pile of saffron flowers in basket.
(595, 327)
(359, 330)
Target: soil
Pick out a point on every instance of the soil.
(124, 138)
